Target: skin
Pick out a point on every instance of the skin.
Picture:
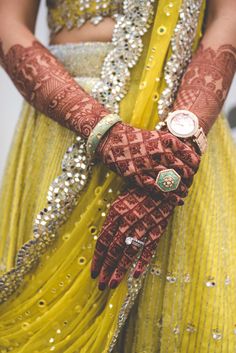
(20, 16)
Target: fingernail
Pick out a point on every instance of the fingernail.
(136, 274)
(102, 286)
(113, 284)
(94, 274)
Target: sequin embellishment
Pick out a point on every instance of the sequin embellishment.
(134, 286)
(128, 46)
(181, 44)
(63, 196)
(71, 13)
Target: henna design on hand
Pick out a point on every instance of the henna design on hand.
(140, 155)
(44, 82)
(206, 83)
(137, 214)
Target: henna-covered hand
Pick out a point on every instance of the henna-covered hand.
(44, 82)
(206, 82)
(140, 155)
(137, 214)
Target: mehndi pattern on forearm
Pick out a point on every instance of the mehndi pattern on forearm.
(206, 83)
(43, 82)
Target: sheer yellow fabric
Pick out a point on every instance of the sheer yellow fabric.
(187, 301)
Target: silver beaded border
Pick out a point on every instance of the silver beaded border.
(134, 286)
(128, 46)
(62, 197)
(181, 44)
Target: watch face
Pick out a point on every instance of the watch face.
(182, 123)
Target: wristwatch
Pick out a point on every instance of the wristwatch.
(185, 124)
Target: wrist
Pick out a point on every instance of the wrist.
(100, 131)
(106, 138)
(184, 124)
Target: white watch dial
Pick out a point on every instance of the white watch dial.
(182, 124)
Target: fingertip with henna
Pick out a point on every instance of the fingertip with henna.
(94, 274)
(101, 286)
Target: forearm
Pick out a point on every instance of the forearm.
(45, 83)
(206, 82)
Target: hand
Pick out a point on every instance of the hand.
(141, 154)
(137, 214)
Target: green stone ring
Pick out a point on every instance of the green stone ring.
(168, 180)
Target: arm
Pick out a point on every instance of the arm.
(207, 80)
(37, 74)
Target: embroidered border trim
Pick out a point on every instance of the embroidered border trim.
(128, 46)
(181, 44)
(62, 197)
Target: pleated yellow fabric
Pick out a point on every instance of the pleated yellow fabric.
(187, 301)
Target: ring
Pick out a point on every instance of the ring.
(168, 180)
(130, 240)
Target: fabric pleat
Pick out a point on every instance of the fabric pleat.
(186, 303)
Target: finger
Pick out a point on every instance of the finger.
(145, 259)
(123, 265)
(102, 245)
(188, 182)
(151, 185)
(110, 260)
(151, 244)
(170, 160)
(181, 150)
(189, 157)
(181, 190)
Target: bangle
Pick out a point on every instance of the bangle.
(98, 131)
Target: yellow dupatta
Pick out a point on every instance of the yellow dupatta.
(60, 302)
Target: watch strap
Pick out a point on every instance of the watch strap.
(200, 139)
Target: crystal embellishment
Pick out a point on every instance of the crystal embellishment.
(171, 278)
(190, 328)
(128, 46)
(216, 334)
(176, 330)
(210, 282)
(71, 13)
(134, 286)
(63, 196)
(128, 240)
(181, 43)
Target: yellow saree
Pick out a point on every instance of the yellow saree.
(185, 301)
